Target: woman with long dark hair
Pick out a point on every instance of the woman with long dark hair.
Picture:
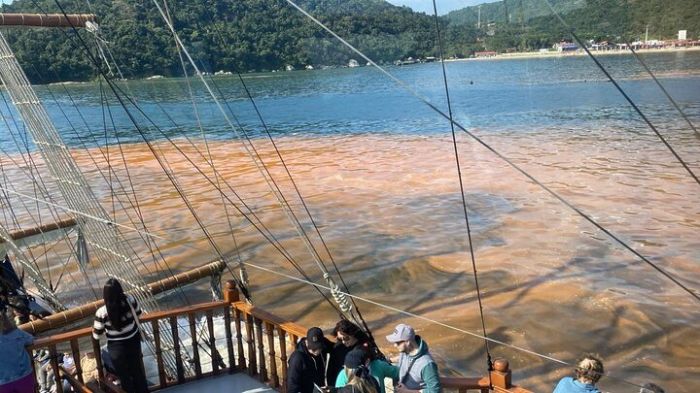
(349, 336)
(117, 320)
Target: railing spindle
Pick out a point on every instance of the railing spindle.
(252, 362)
(261, 349)
(53, 359)
(98, 360)
(195, 346)
(217, 362)
(159, 353)
(238, 315)
(282, 337)
(270, 331)
(75, 352)
(176, 349)
(229, 341)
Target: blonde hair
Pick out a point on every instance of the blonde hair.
(589, 369)
(363, 385)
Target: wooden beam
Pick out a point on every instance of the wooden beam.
(88, 310)
(46, 20)
(24, 233)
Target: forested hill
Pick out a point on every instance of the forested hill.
(264, 35)
(229, 35)
(513, 11)
(594, 19)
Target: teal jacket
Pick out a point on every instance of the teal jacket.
(379, 370)
(419, 372)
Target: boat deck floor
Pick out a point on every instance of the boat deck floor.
(233, 383)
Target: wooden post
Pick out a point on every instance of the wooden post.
(229, 340)
(281, 335)
(53, 360)
(159, 354)
(231, 294)
(75, 352)
(195, 346)
(238, 315)
(216, 361)
(261, 349)
(501, 374)
(176, 349)
(250, 333)
(270, 332)
(98, 360)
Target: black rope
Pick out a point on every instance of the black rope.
(663, 89)
(496, 153)
(470, 242)
(308, 213)
(624, 94)
(116, 90)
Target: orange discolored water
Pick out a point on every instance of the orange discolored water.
(390, 212)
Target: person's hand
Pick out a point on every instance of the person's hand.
(402, 389)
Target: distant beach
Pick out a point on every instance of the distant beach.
(577, 53)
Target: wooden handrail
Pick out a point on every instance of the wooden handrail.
(261, 357)
(88, 310)
(287, 326)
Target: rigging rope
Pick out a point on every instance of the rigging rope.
(662, 88)
(122, 103)
(360, 298)
(110, 247)
(624, 94)
(437, 110)
(470, 242)
(252, 152)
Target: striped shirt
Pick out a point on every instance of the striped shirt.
(103, 325)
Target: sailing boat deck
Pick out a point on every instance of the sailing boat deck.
(224, 383)
(250, 357)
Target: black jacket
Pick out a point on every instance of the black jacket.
(305, 369)
(337, 359)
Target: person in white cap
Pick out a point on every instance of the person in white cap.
(418, 372)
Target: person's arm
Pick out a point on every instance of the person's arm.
(386, 370)
(294, 373)
(342, 379)
(430, 376)
(135, 305)
(98, 327)
(27, 338)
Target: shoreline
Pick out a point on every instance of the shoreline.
(577, 53)
(499, 56)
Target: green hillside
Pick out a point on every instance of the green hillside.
(230, 35)
(264, 35)
(512, 11)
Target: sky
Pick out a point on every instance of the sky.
(443, 6)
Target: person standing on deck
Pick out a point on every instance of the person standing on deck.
(417, 369)
(117, 319)
(587, 373)
(16, 374)
(349, 336)
(307, 365)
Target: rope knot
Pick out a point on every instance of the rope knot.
(339, 296)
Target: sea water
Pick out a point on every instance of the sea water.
(377, 170)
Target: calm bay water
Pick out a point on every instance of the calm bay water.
(376, 167)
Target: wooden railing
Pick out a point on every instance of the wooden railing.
(254, 341)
